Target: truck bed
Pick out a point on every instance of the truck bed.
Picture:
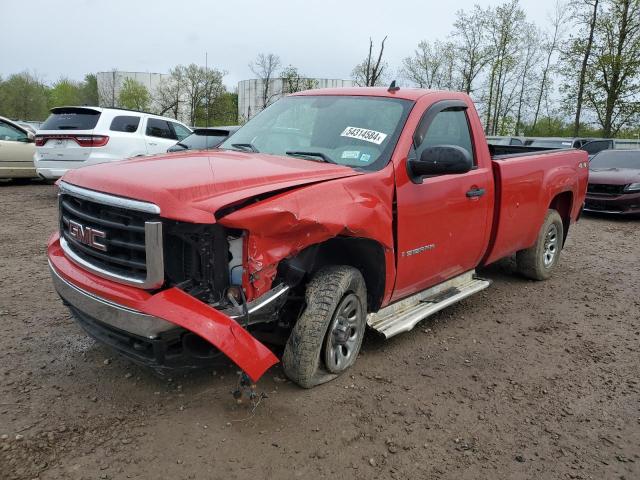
(502, 152)
(526, 186)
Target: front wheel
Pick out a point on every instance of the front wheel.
(327, 337)
(539, 261)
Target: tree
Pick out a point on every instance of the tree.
(471, 45)
(134, 95)
(65, 92)
(293, 81)
(199, 85)
(23, 96)
(431, 66)
(213, 89)
(504, 24)
(169, 93)
(89, 90)
(224, 109)
(264, 67)
(612, 84)
(529, 59)
(370, 72)
(576, 59)
(550, 46)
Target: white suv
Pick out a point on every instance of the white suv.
(74, 137)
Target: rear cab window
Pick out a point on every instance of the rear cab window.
(125, 123)
(71, 119)
(160, 128)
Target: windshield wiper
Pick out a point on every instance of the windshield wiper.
(246, 147)
(310, 155)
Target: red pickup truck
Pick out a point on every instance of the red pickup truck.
(330, 211)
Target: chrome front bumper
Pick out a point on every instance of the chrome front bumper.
(110, 313)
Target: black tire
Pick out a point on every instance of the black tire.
(332, 291)
(539, 261)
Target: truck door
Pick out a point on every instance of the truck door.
(442, 220)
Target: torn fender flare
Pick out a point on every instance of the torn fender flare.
(227, 335)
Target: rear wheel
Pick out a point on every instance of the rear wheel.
(328, 335)
(539, 261)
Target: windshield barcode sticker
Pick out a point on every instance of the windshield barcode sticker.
(364, 134)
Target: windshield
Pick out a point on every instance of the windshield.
(358, 132)
(616, 159)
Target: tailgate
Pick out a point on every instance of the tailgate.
(68, 134)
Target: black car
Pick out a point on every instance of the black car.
(204, 138)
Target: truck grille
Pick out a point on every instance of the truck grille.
(604, 189)
(99, 233)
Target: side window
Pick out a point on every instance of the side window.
(11, 133)
(182, 132)
(449, 127)
(125, 123)
(160, 128)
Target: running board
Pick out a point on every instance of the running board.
(402, 316)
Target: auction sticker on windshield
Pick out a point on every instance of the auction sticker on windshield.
(364, 134)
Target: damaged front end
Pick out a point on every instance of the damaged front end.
(196, 311)
(219, 287)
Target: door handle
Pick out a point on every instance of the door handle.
(475, 192)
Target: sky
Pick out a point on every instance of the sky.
(322, 38)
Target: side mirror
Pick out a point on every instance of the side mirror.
(441, 160)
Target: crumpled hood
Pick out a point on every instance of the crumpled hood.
(614, 176)
(192, 186)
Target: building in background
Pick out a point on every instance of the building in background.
(110, 83)
(251, 93)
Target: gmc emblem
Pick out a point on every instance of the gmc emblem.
(87, 235)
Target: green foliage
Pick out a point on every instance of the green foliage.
(65, 92)
(23, 96)
(193, 90)
(89, 90)
(613, 89)
(558, 127)
(224, 110)
(134, 95)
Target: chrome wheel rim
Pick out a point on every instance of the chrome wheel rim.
(550, 245)
(345, 334)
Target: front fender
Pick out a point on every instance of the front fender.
(284, 225)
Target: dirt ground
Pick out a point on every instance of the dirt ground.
(525, 380)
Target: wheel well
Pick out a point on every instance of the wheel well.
(364, 254)
(562, 204)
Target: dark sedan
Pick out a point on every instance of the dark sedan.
(614, 183)
(203, 139)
